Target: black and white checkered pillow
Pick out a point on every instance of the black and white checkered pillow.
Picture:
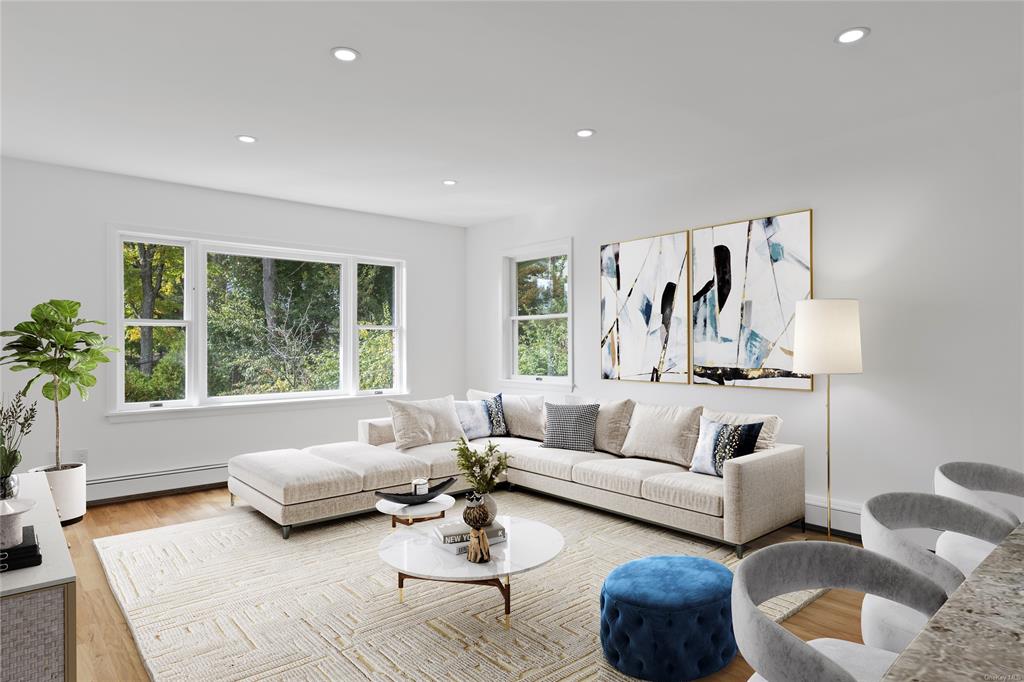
(570, 427)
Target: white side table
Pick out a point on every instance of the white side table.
(408, 514)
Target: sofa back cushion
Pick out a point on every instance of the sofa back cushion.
(765, 440)
(570, 427)
(663, 432)
(420, 422)
(613, 425)
(524, 414)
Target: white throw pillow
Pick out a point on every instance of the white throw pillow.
(421, 422)
(613, 425)
(766, 439)
(663, 432)
(524, 414)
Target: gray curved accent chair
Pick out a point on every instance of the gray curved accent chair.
(780, 656)
(888, 625)
(967, 482)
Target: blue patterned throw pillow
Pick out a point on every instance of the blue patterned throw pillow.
(719, 442)
(481, 418)
(570, 427)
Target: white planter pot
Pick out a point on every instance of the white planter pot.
(68, 489)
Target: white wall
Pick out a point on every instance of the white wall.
(919, 219)
(54, 245)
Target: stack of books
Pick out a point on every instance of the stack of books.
(21, 556)
(454, 535)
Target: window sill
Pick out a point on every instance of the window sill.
(550, 385)
(211, 410)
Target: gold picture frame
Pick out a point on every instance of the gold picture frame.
(605, 332)
(692, 251)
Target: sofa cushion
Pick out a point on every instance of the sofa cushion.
(570, 427)
(663, 432)
(379, 467)
(293, 476)
(524, 414)
(613, 425)
(618, 475)
(687, 490)
(720, 442)
(553, 462)
(438, 456)
(419, 422)
(769, 432)
(482, 418)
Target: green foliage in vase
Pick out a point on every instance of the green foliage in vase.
(52, 345)
(481, 469)
(16, 420)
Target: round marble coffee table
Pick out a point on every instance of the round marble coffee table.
(414, 553)
(408, 514)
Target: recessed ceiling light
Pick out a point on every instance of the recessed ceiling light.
(852, 35)
(449, 183)
(345, 54)
(585, 132)
(248, 139)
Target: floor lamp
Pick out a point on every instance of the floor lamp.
(827, 341)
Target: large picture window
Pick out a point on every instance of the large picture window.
(539, 329)
(209, 322)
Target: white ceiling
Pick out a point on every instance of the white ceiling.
(488, 93)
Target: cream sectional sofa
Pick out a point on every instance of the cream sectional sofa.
(758, 493)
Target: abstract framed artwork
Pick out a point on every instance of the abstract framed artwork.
(747, 277)
(644, 298)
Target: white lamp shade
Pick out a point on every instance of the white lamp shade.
(827, 337)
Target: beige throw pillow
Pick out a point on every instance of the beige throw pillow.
(765, 440)
(613, 425)
(663, 432)
(524, 414)
(421, 422)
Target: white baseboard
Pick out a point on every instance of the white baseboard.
(845, 515)
(99, 489)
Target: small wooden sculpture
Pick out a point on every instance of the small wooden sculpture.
(479, 551)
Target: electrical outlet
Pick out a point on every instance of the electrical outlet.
(80, 456)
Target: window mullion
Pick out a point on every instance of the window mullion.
(351, 335)
(197, 354)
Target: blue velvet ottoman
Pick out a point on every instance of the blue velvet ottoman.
(668, 618)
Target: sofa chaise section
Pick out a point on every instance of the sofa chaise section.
(321, 482)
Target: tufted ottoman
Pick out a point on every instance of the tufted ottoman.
(668, 618)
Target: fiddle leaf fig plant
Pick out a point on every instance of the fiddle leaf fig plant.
(52, 345)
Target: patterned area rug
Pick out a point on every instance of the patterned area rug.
(228, 599)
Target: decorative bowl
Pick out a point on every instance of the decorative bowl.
(411, 498)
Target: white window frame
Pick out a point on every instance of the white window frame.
(510, 318)
(396, 328)
(197, 249)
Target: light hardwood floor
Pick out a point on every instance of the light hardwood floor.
(106, 651)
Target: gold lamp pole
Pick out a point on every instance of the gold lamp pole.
(827, 341)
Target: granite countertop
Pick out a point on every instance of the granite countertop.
(978, 634)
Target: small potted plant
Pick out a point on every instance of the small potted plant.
(52, 345)
(16, 421)
(482, 470)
